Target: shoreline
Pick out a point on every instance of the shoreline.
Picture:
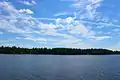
(56, 51)
(62, 55)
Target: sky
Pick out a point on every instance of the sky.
(60, 23)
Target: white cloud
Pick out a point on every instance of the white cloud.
(12, 22)
(70, 0)
(26, 11)
(36, 39)
(100, 37)
(28, 2)
(100, 24)
(67, 20)
(48, 19)
(7, 6)
(73, 43)
(17, 38)
(12, 11)
(79, 28)
(87, 11)
(61, 14)
(18, 21)
(74, 26)
(87, 8)
(108, 32)
(25, 24)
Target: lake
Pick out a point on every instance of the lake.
(59, 67)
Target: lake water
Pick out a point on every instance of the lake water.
(54, 67)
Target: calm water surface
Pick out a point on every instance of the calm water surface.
(50, 67)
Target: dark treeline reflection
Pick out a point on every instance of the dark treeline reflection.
(56, 51)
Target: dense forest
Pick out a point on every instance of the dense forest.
(56, 51)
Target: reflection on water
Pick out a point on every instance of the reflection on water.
(50, 67)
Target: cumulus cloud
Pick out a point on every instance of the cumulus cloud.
(28, 2)
(7, 6)
(16, 19)
(61, 31)
(12, 11)
(26, 11)
(78, 28)
(67, 20)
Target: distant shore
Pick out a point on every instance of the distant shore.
(56, 51)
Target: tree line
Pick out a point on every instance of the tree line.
(56, 51)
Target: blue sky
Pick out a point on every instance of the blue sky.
(60, 23)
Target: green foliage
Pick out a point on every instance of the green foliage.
(56, 51)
